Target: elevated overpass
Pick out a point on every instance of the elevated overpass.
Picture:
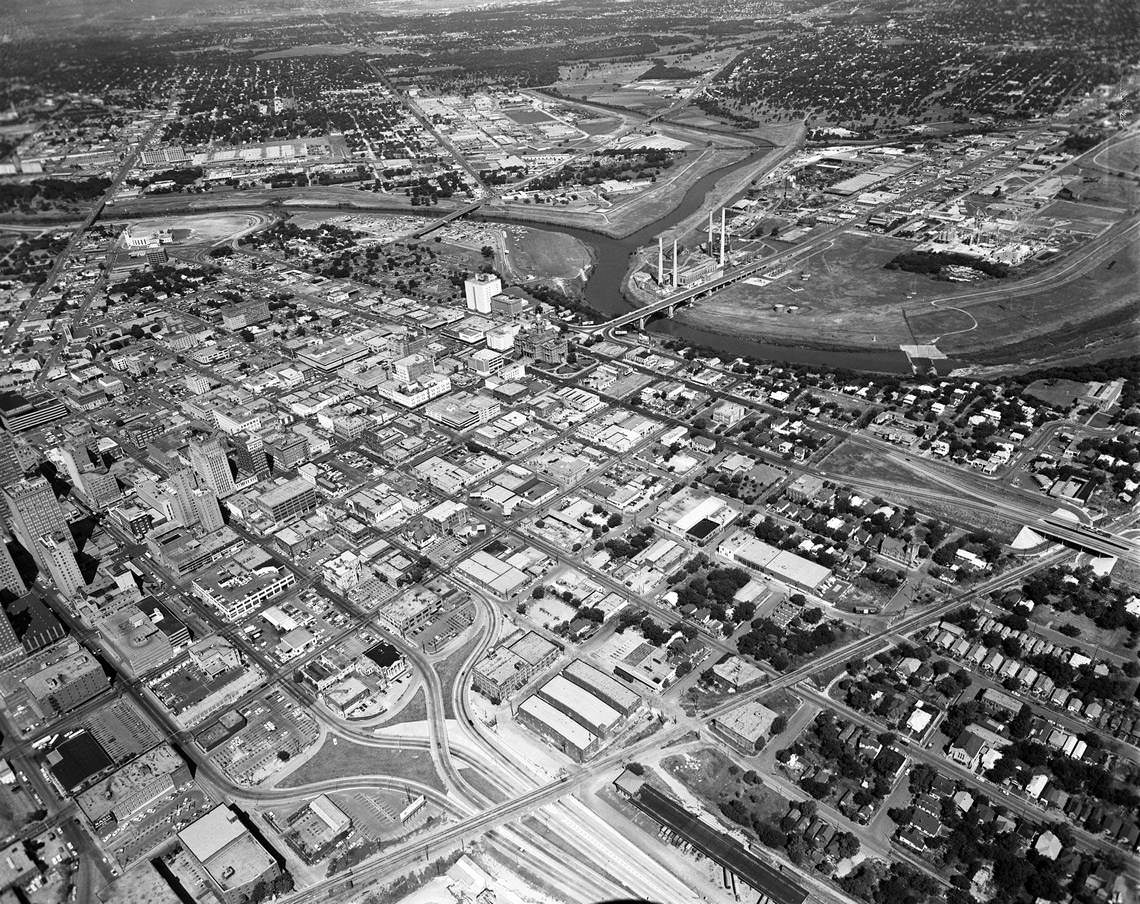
(433, 225)
(669, 304)
(1086, 538)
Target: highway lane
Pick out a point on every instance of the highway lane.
(512, 809)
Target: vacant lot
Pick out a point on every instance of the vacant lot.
(542, 254)
(339, 758)
(1058, 393)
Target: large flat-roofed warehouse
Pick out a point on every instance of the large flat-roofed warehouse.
(740, 866)
(602, 686)
(580, 705)
(793, 570)
(573, 739)
(746, 726)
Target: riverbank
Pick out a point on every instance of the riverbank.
(636, 213)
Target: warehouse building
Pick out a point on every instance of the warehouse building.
(602, 686)
(289, 499)
(784, 566)
(580, 705)
(746, 726)
(573, 739)
(227, 858)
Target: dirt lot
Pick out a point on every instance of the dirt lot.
(203, 228)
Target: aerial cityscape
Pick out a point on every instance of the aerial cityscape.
(570, 451)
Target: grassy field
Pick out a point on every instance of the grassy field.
(339, 758)
(1122, 157)
(866, 462)
(141, 884)
(449, 669)
(415, 711)
(639, 209)
(1058, 393)
(542, 254)
(707, 774)
(843, 300)
(849, 300)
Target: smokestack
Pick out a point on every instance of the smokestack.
(722, 238)
(660, 261)
(710, 233)
(675, 268)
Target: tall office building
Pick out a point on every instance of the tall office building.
(286, 450)
(76, 460)
(208, 458)
(98, 486)
(101, 489)
(34, 512)
(10, 579)
(58, 560)
(10, 468)
(207, 512)
(480, 289)
(180, 487)
(249, 453)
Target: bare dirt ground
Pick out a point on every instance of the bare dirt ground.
(206, 228)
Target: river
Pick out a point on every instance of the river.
(603, 292)
(611, 256)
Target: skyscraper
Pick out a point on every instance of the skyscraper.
(180, 487)
(207, 511)
(10, 468)
(249, 453)
(98, 486)
(58, 559)
(9, 575)
(209, 460)
(34, 512)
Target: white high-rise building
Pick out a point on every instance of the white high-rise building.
(58, 559)
(480, 289)
(502, 338)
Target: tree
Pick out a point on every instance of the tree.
(847, 845)
(635, 768)
(778, 725)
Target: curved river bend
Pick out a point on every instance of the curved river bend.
(603, 292)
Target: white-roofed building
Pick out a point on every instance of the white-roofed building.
(558, 728)
(580, 705)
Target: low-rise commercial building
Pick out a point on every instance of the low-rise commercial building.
(512, 665)
(229, 859)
